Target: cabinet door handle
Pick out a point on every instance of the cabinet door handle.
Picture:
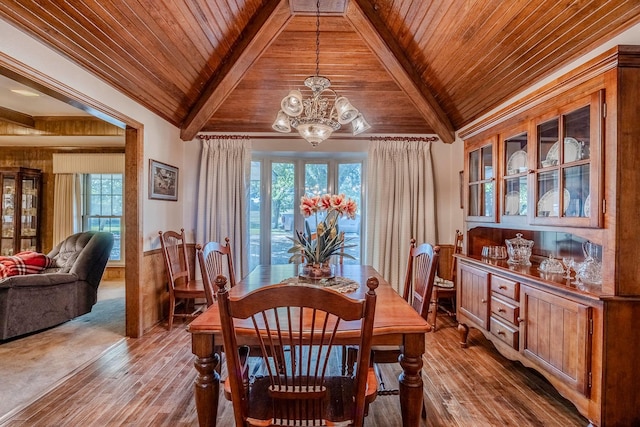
(520, 319)
(484, 301)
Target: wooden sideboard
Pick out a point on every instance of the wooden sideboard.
(520, 178)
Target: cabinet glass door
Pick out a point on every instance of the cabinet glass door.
(481, 188)
(563, 165)
(576, 156)
(515, 175)
(29, 217)
(8, 215)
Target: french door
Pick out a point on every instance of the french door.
(276, 187)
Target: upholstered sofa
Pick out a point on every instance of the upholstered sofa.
(67, 289)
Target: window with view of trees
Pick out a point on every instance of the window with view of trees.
(103, 208)
(280, 183)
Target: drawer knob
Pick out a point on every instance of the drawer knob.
(501, 332)
(503, 287)
(520, 319)
(502, 310)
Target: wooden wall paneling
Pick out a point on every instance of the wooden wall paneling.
(155, 297)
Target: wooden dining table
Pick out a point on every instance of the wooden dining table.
(396, 323)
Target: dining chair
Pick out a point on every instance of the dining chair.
(215, 259)
(444, 286)
(301, 386)
(418, 285)
(184, 290)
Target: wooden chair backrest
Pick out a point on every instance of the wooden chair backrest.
(457, 249)
(174, 251)
(211, 258)
(295, 327)
(421, 273)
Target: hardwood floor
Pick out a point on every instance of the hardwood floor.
(149, 382)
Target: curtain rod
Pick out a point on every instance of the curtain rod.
(405, 138)
(201, 137)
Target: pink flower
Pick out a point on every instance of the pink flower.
(325, 202)
(337, 202)
(351, 208)
(309, 205)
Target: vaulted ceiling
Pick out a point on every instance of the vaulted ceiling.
(410, 66)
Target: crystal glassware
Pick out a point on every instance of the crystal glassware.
(568, 263)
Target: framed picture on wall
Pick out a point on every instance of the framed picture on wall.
(163, 181)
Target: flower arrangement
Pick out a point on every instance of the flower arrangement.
(317, 248)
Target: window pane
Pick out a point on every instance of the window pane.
(282, 211)
(117, 206)
(350, 184)
(104, 208)
(95, 204)
(254, 214)
(315, 179)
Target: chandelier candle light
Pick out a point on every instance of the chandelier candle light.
(319, 119)
(316, 249)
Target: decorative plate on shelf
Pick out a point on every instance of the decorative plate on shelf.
(548, 204)
(512, 203)
(572, 152)
(552, 154)
(587, 206)
(517, 162)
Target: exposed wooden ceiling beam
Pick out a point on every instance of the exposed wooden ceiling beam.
(17, 118)
(362, 15)
(256, 37)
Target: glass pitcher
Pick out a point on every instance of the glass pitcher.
(590, 271)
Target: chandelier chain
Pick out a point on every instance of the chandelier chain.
(317, 37)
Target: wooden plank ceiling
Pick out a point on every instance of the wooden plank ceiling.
(410, 66)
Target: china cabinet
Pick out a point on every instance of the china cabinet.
(20, 210)
(559, 167)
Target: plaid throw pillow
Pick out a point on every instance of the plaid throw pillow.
(27, 262)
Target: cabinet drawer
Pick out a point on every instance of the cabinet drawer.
(508, 288)
(505, 310)
(506, 333)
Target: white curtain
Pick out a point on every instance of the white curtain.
(401, 204)
(222, 210)
(67, 209)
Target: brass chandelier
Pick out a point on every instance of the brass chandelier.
(320, 118)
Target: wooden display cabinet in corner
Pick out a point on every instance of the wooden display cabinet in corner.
(20, 201)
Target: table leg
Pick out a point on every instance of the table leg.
(410, 379)
(207, 384)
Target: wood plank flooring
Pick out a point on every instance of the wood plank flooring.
(149, 382)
